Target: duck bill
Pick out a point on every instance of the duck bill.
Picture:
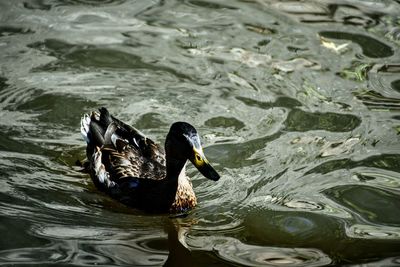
(202, 164)
(208, 171)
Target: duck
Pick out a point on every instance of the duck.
(134, 170)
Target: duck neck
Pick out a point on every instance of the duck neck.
(174, 168)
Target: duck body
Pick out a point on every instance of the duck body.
(136, 171)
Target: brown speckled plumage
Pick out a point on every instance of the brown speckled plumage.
(134, 170)
(185, 199)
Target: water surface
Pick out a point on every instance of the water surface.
(297, 104)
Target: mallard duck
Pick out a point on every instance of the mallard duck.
(134, 170)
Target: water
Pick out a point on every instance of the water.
(297, 104)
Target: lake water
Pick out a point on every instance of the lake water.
(297, 105)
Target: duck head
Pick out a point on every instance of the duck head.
(182, 144)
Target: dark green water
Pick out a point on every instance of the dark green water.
(297, 103)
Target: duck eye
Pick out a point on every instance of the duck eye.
(198, 158)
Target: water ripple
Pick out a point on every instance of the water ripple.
(375, 49)
(234, 251)
(373, 232)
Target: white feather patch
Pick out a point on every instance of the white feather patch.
(114, 138)
(85, 122)
(136, 143)
(100, 171)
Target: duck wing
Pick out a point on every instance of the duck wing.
(123, 159)
(98, 129)
(134, 137)
(125, 175)
(121, 149)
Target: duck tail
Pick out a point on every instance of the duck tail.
(85, 127)
(100, 175)
(105, 118)
(94, 126)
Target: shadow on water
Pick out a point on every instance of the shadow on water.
(380, 208)
(386, 161)
(82, 57)
(200, 250)
(304, 229)
(49, 4)
(375, 100)
(285, 102)
(11, 30)
(59, 109)
(396, 85)
(370, 46)
(237, 155)
(299, 120)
